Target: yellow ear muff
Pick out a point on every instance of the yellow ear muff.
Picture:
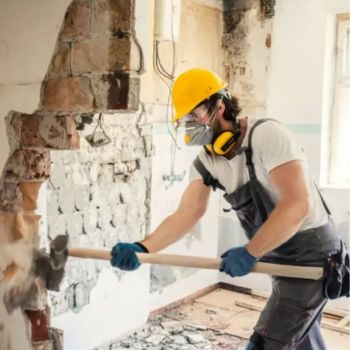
(224, 143)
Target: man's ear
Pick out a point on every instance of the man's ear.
(220, 108)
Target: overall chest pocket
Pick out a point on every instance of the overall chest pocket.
(242, 202)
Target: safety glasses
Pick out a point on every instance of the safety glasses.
(198, 115)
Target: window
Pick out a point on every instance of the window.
(336, 136)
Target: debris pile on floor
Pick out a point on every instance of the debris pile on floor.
(167, 331)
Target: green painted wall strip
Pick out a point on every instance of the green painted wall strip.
(314, 129)
(305, 129)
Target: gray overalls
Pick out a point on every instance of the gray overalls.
(292, 315)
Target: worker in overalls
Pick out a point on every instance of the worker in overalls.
(266, 180)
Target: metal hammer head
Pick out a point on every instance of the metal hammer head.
(58, 251)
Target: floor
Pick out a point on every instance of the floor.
(222, 319)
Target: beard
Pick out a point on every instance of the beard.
(217, 129)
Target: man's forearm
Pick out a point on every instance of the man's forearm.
(169, 231)
(284, 221)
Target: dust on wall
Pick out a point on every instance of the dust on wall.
(247, 42)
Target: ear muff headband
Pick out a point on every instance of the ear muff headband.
(224, 142)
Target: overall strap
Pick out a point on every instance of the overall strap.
(323, 201)
(208, 179)
(249, 151)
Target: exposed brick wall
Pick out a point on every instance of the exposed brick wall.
(92, 68)
(90, 190)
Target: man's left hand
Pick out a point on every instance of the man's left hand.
(237, 262)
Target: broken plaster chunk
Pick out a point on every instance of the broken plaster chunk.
(194, 338)
(155, 339)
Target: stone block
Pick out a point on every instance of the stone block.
(111, 16)
(52, 203)
(116, 91)
(101, 54)
(90, 221)
(27, 165)
(39, 320)
(60, 64)
(68, 95)
(58, 175)
(74, 224)
(29, 192)
(76, 21)
(66, 200)
(81, 197)
(49, 131)
(119, 215)
(104, 219)
(96, 196)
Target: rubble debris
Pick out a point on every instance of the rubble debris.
(164, 332)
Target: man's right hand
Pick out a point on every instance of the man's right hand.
(124, 255)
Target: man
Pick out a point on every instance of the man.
(267, 182)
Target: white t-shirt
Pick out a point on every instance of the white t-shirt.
(273, 145)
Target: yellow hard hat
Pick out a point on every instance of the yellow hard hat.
(192, 87)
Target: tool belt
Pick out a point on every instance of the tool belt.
(337, 272)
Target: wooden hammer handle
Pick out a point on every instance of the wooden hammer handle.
(305, 272)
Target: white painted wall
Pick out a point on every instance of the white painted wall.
(295, 96)
(203, 239)
(199, 45)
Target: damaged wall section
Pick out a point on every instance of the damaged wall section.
(247, 43)
(99, 196)
(92, 71)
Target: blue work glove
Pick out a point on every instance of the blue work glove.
(124, 257)
(237, 262)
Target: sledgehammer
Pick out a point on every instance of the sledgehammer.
(59, 253)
